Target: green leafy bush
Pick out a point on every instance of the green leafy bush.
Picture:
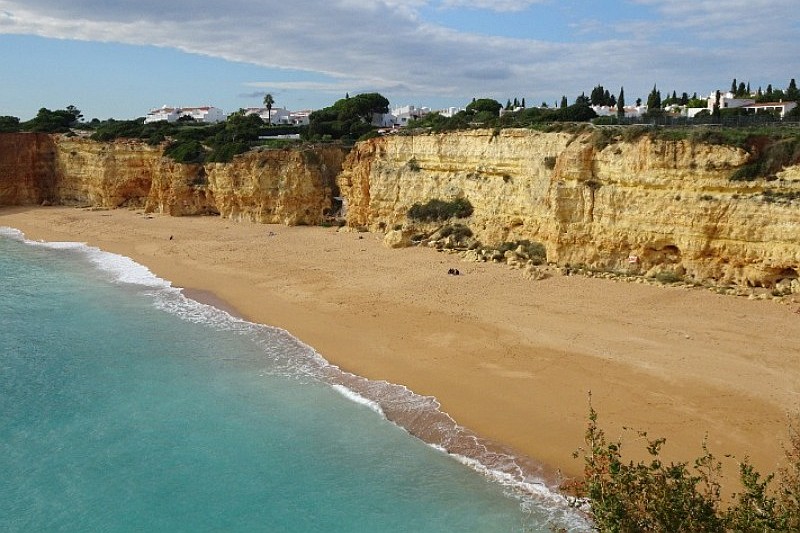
(186, 152)
(655, 496)
(438, 210)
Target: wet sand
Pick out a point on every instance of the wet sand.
(508, 358)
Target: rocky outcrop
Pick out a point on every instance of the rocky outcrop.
(289, 186)
(642, 206)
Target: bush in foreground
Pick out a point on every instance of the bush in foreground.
(623, 496)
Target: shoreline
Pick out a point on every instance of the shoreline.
(510, 359)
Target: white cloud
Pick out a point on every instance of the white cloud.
(387, 45)
(502, 6)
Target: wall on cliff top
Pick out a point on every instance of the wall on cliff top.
(668, 204)
(289, 186)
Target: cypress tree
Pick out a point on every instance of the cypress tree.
(791, 92)
(621, 103)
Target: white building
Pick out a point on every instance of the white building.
(280, 115)
(631, 111)
(728, 100)
(772, 107)
(403, 115)
(206, 114)
(450, 112)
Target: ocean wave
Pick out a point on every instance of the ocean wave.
(121, 268)
(357, 398)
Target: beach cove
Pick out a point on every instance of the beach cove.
(509, 358)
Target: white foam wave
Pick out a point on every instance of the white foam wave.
(12, 233)
(357, 398)
(123, 269)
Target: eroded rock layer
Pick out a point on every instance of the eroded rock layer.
(630, 206)
(291, 186)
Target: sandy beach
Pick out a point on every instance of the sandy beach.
(509, 358)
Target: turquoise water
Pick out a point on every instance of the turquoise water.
(126, 407)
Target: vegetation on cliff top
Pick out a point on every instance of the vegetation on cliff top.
(348, 119)
(620, 495)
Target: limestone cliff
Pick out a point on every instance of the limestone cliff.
(290, 186)
(640, 205)
(27, 175)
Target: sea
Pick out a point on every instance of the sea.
(126, 406)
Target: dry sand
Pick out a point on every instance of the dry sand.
(509, 358)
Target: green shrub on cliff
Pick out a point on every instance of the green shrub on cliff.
(438, 210)
(9, 124)
(626, 496)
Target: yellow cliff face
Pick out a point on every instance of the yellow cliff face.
(631, 206)
(291, 186)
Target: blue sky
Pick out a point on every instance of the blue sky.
(117, 58)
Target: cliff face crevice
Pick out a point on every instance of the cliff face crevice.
(628, 206)
(271, 186)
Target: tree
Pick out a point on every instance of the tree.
(741, 90)
(563, 102)
(638, 102)
(621, 103)
(582, 100)
(654, 99)
(348, 117)
(716, 112)
(486, 105)
(9, 124)
(792, 93)
(268, 101)
(733, 86)
(522, 104)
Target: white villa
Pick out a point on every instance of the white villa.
(772, 107)
(728, 100)
(280, 115)
(207, 114)
(631, 111)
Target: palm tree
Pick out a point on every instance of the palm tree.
(268, 101)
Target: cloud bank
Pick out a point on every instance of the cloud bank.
(387, 45)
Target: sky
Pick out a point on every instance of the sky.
(121, 58)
